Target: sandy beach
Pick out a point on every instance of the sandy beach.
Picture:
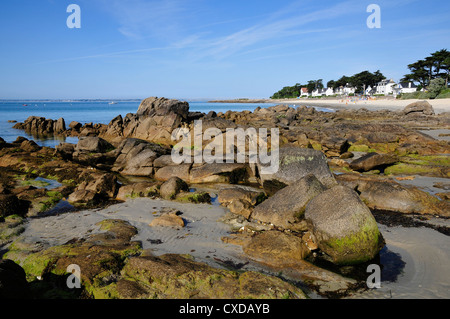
(424, 252)
(439, 105)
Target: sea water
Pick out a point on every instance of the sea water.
(90, 111)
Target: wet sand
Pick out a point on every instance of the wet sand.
(425, 251)
(426, 275)
(201, 237)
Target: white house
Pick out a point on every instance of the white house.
(407, 87)
(329, 92)
(386, 87)
(304, 92)
(369, 91)
(349, 90)
(318, 92)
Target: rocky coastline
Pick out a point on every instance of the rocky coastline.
(315, 220)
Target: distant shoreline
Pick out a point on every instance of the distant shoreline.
(439, 105)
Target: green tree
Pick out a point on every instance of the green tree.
(311, 86)
(434, 66)
(331, 84)
(435, 87)
(343, 81)
(365, 79)
(288, 92)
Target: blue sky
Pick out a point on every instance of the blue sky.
(190, 49)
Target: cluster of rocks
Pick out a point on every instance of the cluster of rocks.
(40, 126)
(300, 210)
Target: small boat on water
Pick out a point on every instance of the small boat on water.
(24, 104)
(110, 103)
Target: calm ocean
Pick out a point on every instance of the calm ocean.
(85, 112)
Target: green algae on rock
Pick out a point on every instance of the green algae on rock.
(343, 226)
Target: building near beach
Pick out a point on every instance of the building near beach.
(304, 92)
(406, 87)
(385, 87)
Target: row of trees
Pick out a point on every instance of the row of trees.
(423, 72)
(437, 65)
(361, 81)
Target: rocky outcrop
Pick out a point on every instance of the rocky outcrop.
(174, 276)
(93, 145)
(286, 207)
(95, 188)
(171, 219)
(343, 226)
(154, 106)
(172, 187)
(295, 163)
(182, 171)
(420, 107)
(41, 126)
(389, 195)
(154, 121)
(276, 248)
(372, 161)
(135, 157)
(219, 173)
(143, 189)
(240, 200)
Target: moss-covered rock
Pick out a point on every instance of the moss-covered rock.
(386, 194)
(343, 226)
(100, 258)
(176, 276)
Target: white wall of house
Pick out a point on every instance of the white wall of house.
(407, 88)
(329, 92)
(349, 90)
(386, 87)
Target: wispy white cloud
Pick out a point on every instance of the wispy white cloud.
(140, 18)
(281, 24)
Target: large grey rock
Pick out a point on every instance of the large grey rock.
(103, 184)
(386, 194)
(419, 107)
(276, 248)
(240, 200)
(59, 126)
(135, 157)
(83, 196)
(287, 206)
(66, 150)
(92, 144)
(295, 163)
(30, 146)
(162, 161)
(143, 189)
(371, 161)
(181, 171)
(220, 173)
(228, 194)
(172, 187)
(154, 106)
(343, 226)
